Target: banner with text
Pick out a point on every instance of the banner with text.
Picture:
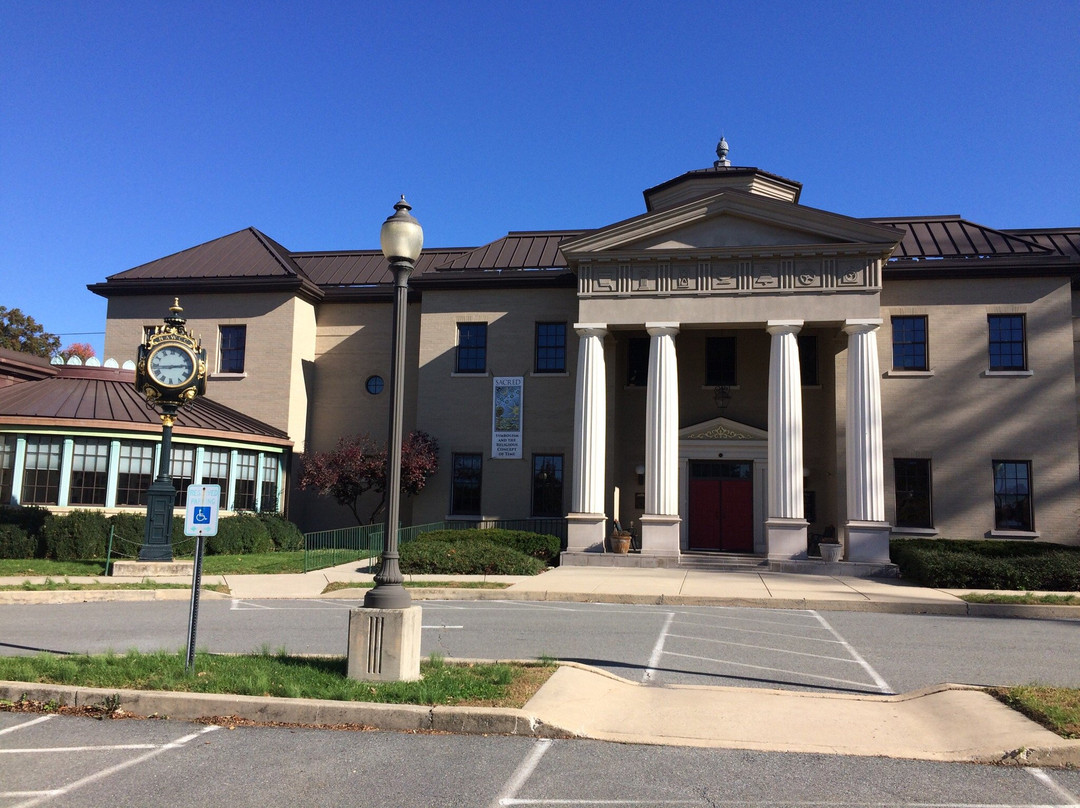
(506, 417)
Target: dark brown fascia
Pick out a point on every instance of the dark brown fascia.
(301, 287)
(13, 365)
(493, 278)
(907, 269)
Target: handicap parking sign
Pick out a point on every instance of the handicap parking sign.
(202, 510)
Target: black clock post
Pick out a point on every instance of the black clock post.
(170, 373)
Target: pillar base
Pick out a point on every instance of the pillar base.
(868, 541)
(585, 532)
(786, 538)
(660, 535)
(384, 644)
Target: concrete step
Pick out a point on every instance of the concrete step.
(728, 562)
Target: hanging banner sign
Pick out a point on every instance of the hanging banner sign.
(506, 417)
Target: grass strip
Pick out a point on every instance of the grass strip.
(1027, 599)
(284, 675)
(48, 566)
(335, 586)
(67, 586)
(1056, 708)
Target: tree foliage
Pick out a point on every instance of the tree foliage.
(83, 350)
(358, 465)
(20, 332)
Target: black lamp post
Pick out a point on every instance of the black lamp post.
(401, 239)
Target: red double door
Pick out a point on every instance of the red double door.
(721, 507)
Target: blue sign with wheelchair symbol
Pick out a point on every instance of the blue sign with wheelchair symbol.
(201, 517)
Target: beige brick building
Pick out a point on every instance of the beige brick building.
(730, 371)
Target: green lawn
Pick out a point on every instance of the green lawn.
(281, 674)
(1027, 599)
(335, 586)
(1056, 708)
(212, 565)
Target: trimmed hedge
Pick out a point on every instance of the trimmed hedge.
(34, 532)
(535, 545)
(988, 564)
(469, 557)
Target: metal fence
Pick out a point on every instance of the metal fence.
(328, 548)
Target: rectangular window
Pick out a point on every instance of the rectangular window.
(465, 495)
(637, 362)
(1007, 342)
(1012, 495)
(246, 465)
(808, 360)
(41, 477)
(471, 348)
(89, 472)
(547, 485)
(720, 364)
(912, 481)
(216, 472)
(268, 496)
(182, 469)
(909, 343)
(233, 343)
(551, 347)
(135, 472)
(7, 461)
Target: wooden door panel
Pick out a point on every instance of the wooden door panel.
(704, 529)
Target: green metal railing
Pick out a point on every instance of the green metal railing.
(328, 548)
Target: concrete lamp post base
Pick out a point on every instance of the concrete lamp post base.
(384, 644)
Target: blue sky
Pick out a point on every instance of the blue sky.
(132, 130)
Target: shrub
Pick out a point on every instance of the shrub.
(16, 542)
(129, 531)
(535, 545)
(988, 564)
(76, 535)
(242, 534)
(467, 557)
(284, 534)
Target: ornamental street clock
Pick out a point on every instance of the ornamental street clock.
(170, 372)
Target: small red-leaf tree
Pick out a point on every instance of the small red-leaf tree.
(83, 350)
(358, 465)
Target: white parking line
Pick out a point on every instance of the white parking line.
(658, 650)
(883, 686)
(1052, 784)
(45, 796)
(829, 640)
(26, 724)
(46, 749)
(766, 668)
(523, 772)
(765, 648)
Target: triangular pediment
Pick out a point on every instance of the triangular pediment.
(732, 220)
(718, 429)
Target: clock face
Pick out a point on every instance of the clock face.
(171, 365)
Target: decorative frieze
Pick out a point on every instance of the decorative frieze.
(760, 274)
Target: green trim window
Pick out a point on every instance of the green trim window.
(216, 472)
(1012, 495)
(1007, 342)
(547, 485)
(89, 472)
(135, 472)
(466, 481)
(7, 470)
(41, 475)
(909, 343)
(244, 496)
(550, 348)
(268, 493)
(913, 485)
(182, 471)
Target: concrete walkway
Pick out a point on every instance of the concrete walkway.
(945, 723)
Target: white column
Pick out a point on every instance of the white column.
(586, 521)
(785, 525)
(867, 530)
(660, 522)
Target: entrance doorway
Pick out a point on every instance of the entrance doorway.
(721, 506)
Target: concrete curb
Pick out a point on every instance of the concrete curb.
(104, 595)
(313, 712)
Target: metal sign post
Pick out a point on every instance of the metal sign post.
(201, 520)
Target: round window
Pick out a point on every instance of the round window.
(374, 385)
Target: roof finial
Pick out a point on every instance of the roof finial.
(721, 152)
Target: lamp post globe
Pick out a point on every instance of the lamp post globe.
(401, 239)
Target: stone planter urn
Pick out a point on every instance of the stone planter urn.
(830, 552)
(620, 542)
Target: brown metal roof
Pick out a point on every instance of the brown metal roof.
(953, 237)
(364, 267)
(1063, 242)
(520, 250)
(106, 398)
(244, 254)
